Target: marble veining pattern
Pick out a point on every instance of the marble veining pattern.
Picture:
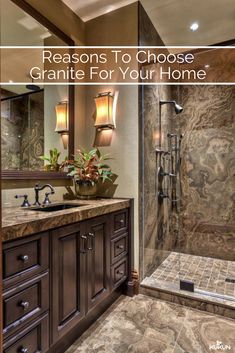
(146, 325)
(18, 222)
(208, 149)
(22, 124)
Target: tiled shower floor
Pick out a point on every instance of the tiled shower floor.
(208, 274)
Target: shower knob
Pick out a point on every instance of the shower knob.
(162, 195)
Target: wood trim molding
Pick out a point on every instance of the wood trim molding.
(32, 175)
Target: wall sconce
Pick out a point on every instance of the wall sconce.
(62, 122)
(105, 111)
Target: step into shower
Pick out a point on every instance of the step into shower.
(200, 282)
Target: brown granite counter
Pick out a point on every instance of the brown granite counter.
(18, 222)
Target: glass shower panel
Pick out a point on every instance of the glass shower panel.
(160, 266)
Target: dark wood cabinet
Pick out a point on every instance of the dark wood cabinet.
(57, 283)
(33, 339)
(98, 260)
(67, 278)
(25, 258)
(25, 303)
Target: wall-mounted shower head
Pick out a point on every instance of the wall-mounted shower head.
(178, 108)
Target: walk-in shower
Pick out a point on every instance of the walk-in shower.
(187, 193)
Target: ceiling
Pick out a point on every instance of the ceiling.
(88, 9)
(172, 18)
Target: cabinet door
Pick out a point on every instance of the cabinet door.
(67, 276)
(98, 260)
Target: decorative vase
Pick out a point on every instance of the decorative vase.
(85, 189)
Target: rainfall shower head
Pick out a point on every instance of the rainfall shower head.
(178, 108)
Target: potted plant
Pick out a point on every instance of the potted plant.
(88, 168)
(53, 159)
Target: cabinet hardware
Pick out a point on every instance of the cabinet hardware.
(120, 247)
(24, 305)
(83, 243)
(91, 237)
(120, 272)
(24, 258)
(121, 221)
(23, 350)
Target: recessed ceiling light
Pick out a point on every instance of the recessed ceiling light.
(10, 81)
(207, 66)
(194, 26)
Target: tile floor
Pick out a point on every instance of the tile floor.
(146, 325)
(208, 274)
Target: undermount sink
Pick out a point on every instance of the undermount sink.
(57, 207)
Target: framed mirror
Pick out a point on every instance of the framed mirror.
(29, 126)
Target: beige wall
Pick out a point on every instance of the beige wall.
(124, 147)
(53, 95)
(119, 27)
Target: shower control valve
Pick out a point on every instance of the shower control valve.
(162, 173)
(163, 196)
(162, 152)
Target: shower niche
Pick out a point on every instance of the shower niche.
(187, 188)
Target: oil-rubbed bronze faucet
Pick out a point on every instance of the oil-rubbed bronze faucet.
(39, 188)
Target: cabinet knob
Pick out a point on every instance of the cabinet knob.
(121, 221)
(24, 304)
(120, 272)
(24, 258)
(120, 247)
(23, 350)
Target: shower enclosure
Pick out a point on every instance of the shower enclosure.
(188, 191)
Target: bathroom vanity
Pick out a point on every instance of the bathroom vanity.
(61, 270)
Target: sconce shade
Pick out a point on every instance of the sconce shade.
(65, 139)
(61, 117)
(104, 111)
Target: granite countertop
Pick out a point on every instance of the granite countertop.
(19, 222)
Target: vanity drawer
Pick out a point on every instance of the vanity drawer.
(34, 339)
(25, 302)
(119, 247)
(119, 273)
(120, 222)
(24, 258)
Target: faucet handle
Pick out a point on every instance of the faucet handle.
(25, 202)
(47, 200)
